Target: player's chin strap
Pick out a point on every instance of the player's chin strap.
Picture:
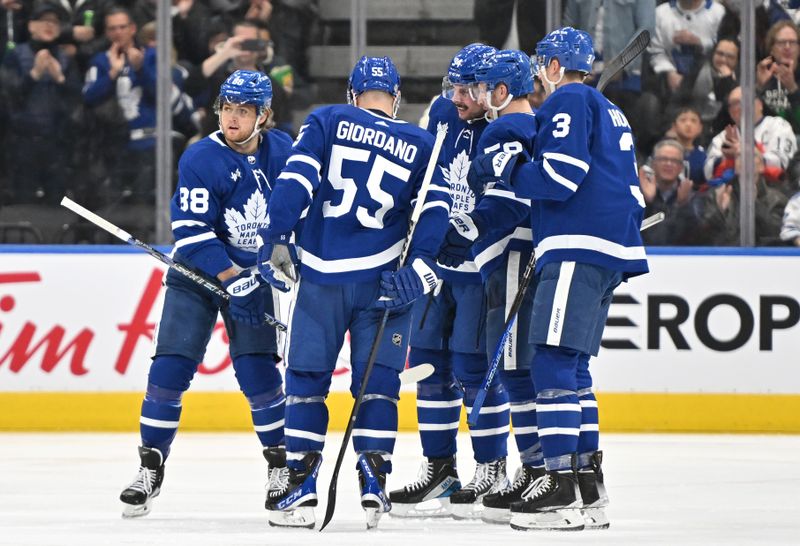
(551, 85)
(494, 111)
(256, 129)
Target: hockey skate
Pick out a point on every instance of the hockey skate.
(593, 493)
(372, 482)
(467, 502)
(497, 506)
(293, 496)
(429, 495)
(551, 503)
(277, 472)
(138, 496)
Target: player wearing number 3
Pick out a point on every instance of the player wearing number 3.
(353, 178)
(586, 214)
(224, 182)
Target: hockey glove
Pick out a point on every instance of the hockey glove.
(403, 286)
(489, 168)
(458, 240)
(277, 262)
(249, 295)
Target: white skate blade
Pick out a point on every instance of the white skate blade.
(595, 518)
(137, 510)
(416, 374)
(566, 519)
(501, 516)
(467, 511)
(301, 518)
(373, 517)
(434, 508)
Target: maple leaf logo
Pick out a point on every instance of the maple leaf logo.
(243, 227)
(456, 177)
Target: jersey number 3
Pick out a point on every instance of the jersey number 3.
(380, 167)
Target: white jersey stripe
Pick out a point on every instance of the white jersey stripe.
(299, 178)
(157, 423)
(307, 159)
(351, 264)
(505, 194)
(558, 314)
(493, 251)
(488, 431)
(525, 430)
(374, 433)
(588, 403)
(271, 426)
(552, 431)
(438, 426)
(195, 239)
(186, 223)
(433, 204)
(519, 408)
(437, 404)
(568, 159)
(567, 183)
(545, 408)
(589, 242)
(590, 428)
(491, 409)
(304, 434)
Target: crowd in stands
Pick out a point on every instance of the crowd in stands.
(78, 96)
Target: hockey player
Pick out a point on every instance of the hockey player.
(587, 209)
(505, 80)
(224, 181)
(353, 176)
(449, 332)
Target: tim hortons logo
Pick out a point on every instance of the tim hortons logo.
(32, 345)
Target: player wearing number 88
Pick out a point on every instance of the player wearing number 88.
(353, 178)
(224, 181)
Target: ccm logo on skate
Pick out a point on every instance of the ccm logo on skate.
(668, 315)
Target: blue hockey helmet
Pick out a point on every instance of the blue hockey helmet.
(463, 66)
(376, 74)
(572, 47)
(247, 87)
(508, 66)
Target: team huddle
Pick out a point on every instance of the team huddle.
(416, 261)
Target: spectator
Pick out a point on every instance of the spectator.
(82, 30)
(777, 74)
(790, 230)
(723, 69)
(685, 31)
(244, 50)
(190, 30)
(40, 86)
(494, 18)
(121, 83)
(13, 25)
(292, 22)
(686, 128)
(772, 134)
(665, 189)
(718, 210)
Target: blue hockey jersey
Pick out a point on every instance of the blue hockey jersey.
(354, 175)
(221, 200)
(583, 181)
(460, 146)
(512, 133)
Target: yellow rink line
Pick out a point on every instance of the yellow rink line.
(228, 411)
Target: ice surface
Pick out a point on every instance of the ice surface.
(664, 489)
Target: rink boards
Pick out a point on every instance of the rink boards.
(707, 342)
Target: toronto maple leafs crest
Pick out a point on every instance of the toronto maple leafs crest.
(244, 226)
(456, 177)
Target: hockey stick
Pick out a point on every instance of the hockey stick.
(416, 374)
(163, 258)
(494, 365)
(373, 353)
(632, 49)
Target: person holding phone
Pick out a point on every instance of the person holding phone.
(777, 74)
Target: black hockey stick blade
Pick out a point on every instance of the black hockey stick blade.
(631, 50)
